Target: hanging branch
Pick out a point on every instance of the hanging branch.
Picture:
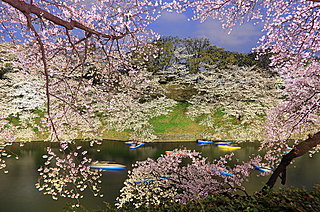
(46, 71)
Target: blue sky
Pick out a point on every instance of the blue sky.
(242, 38)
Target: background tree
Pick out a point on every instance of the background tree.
(243, 95)
(201, 52)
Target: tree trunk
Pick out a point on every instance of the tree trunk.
(298, 151)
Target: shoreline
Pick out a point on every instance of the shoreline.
(162, 138)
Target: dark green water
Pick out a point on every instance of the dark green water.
(18, 192)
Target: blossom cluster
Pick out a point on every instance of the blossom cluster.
(182, 176)
(242, 92)
(68, 174)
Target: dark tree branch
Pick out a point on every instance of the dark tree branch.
(299, 150)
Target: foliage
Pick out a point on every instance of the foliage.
(180, 92)
(5, 68)
(6, 59)
(24, 93)
(299, 114)
(67, 175)
(200, 53)
(151, 96)
(223, 59)
(123, 115)
(243, 93)
(286, 199)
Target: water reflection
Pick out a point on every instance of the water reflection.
(19, 193)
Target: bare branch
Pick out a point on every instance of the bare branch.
(46, 70)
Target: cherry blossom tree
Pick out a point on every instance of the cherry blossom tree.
(181, 177)
(244, 94)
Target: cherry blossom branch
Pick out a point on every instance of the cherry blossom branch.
(28, 9)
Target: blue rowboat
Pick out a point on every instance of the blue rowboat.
(223, 143)
(266, 169)
(130, 142)
(106, 165)
(224, 173)
(288, 150)
(150, 180)
(204, 142)
(136, 145)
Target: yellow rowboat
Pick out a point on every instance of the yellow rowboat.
(227, 147)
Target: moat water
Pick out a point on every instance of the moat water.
(18, 191)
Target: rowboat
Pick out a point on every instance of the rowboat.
(171, 153)
(224, 173)
(288, 150)
(266, 169)
(227, 147)
(130, 142)
(223, 143)
(106, 165)
(204, 142)
(150, 180)
(136, 145)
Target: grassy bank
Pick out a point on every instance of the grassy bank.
(175, 126)
(176, 122)
(223, 128)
